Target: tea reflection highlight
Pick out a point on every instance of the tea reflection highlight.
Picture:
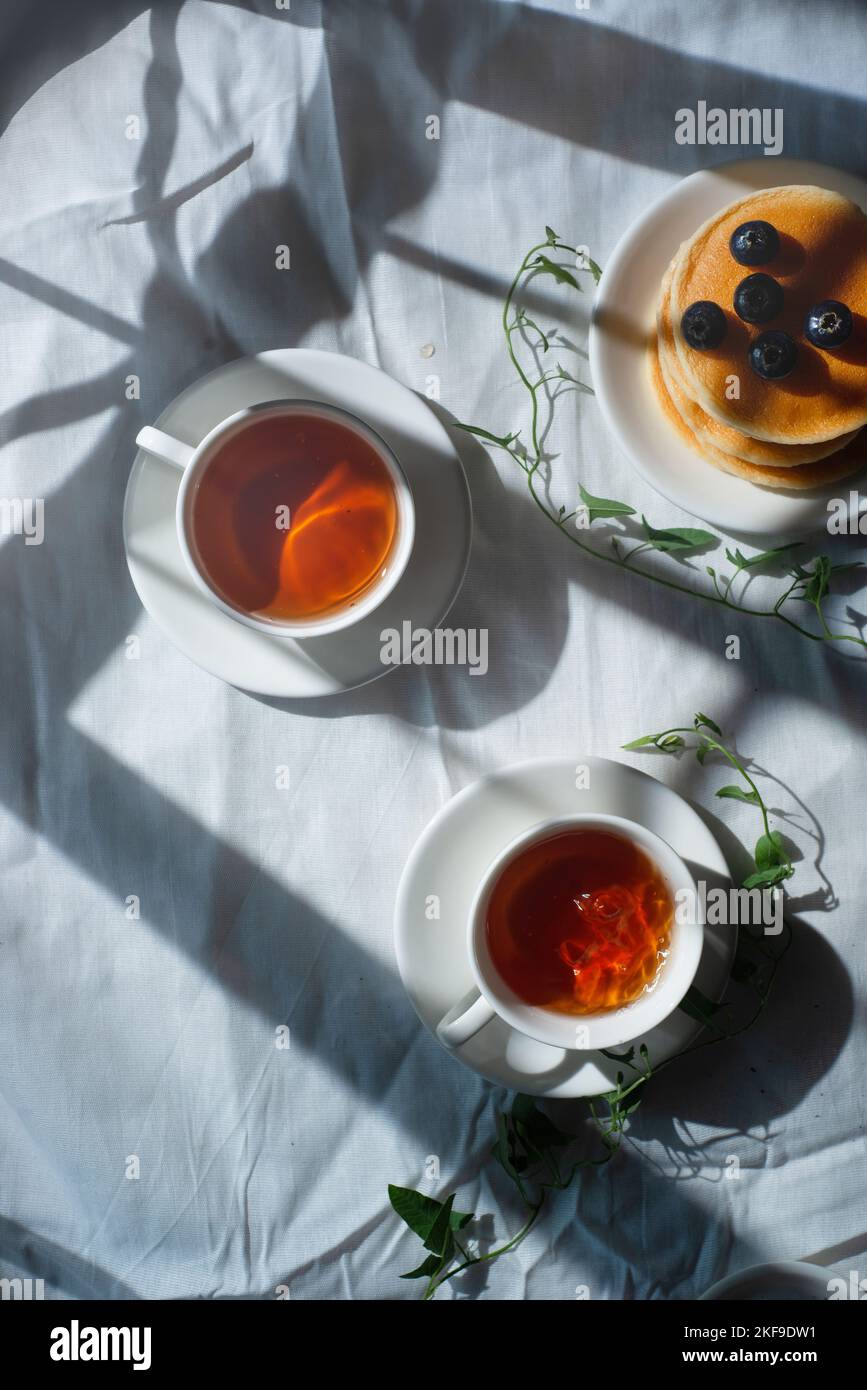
(294, 518)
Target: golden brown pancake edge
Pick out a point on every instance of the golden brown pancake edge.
(720, 436)
(798, 479)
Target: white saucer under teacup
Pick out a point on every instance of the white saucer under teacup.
(440, 883)
(277, 665)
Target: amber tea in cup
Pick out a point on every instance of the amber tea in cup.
(294, 518)
(580, 922)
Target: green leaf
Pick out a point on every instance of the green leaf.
(701, 753)
(546, 266)
(751, 562)
(430, 1266)
(817, 586)
(502, 1149)
(441, 1231)
(677, 537)
(504, 440)
(769, 851)
(421, 1212)
(767, 878)
(670, 742)
(707, 722)
(542, 1131)
(738, 794)
(551, 235)
(666, 742)
(599, 507)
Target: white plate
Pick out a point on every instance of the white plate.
(280, 666)
(786, 1281)
(448, 861)
(623, 318)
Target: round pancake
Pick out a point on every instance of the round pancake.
(823, 255)
(809, 475)
(710, 431)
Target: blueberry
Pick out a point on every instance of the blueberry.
(758, 298)
(773, 355)
(703, 325)
(828, 324)
(754, 243)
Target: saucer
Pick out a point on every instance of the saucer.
(624, 317)
(281, 666)
(447, 863)
(784, 1281)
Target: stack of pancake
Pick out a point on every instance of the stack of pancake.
(800, 431)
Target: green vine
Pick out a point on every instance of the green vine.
(809, 583)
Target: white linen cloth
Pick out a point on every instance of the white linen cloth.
(154, 1141)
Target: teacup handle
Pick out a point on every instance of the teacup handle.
(475, 1013)
(165, 446)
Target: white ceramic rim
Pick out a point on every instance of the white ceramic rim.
(802, 1272)
(206, 450)
(607, 1029)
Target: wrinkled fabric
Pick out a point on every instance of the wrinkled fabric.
(211, 1071)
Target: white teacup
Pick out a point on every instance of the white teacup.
(492, 997)
(194, 462)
